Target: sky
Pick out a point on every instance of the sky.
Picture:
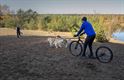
(68, 6)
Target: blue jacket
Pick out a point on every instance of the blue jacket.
(88, 29)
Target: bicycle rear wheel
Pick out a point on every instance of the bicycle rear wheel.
(75, 48)
(104, 54)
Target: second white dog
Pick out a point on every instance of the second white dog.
(59, 42)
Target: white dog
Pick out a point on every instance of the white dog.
(58, 42)
(68, 42)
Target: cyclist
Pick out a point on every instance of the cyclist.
(88, 29)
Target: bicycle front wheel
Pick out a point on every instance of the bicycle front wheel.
(104, 54)
(75, 48)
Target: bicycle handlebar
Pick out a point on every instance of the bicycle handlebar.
(79, 36)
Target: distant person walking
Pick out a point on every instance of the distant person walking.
(18, 32)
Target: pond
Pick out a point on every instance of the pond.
(118, 36)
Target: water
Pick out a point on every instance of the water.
(118, 36)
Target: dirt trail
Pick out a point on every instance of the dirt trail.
(31, 58)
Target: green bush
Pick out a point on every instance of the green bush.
(101, 37)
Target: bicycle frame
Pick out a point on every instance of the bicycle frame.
(79, 39)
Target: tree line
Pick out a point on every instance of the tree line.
(104, 25)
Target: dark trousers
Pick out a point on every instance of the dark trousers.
(18, 34)
(88, 41)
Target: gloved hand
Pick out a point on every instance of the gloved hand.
(75, 35)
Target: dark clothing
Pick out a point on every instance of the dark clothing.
(88, 41)
(18, 32)
(18, 29)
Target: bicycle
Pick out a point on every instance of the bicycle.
(101, 51)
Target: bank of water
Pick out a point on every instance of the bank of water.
(118, 36)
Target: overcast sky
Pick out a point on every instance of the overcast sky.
(68, 6)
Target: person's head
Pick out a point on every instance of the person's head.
(84, 19)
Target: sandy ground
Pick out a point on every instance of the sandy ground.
(31, 58)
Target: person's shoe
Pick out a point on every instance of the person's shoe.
(83, 55)
(92, 57)
(82, 58)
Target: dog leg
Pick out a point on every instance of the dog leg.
(56, 45)
(51, 44)
(59, 45)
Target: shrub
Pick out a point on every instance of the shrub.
(101, 36)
